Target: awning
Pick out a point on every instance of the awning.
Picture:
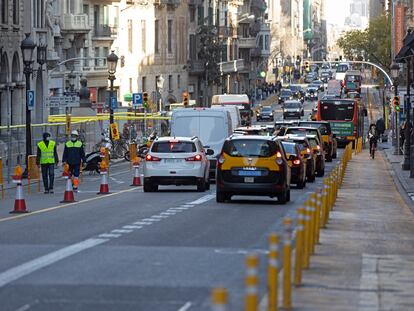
(403, 54)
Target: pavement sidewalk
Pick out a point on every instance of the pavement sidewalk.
(365, 260)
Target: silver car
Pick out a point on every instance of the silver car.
(293, 109)
(176, 161)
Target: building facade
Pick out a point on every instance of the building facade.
(376, 8)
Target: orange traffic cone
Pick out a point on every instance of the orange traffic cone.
(68, 196)
(19, 203)
(104, 188)
(136, 181)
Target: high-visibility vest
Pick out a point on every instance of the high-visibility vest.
(47, 153)
(71, 144)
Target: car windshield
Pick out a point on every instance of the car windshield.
(285, 93)
(173, 147)
(289, 147)
(353, 78)
(294, 88)
(292, 105)
(249, 148)
(342, 68)
(267, 109)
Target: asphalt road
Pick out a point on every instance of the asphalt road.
(132, 250)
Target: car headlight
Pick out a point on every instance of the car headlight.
(271, 114)
(280, 98)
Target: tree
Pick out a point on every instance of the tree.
(373, 43)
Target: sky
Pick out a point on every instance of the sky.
(336, 11)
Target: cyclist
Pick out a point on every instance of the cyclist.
(372, 138)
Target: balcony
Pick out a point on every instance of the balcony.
(195, 2)
(247, 43)
(170, 3)
(258, 52)
(232, 66)
(75, 23)
(105, 31)
(196, 67)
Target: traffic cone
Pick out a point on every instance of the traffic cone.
(136, 181)
(68, 196)
(104, 188)
(19, 202)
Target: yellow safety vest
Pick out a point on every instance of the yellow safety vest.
(71, 144)
(47, 153)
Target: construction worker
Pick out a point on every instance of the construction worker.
(73, 155)
(47, 158)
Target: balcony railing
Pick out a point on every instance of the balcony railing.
(247, 43)
(105, 31)
(232, 66)
(76, 22)
(197, 66)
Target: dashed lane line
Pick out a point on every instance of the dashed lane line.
(121, 231)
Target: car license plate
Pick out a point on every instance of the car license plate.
(173, 160)
(250, 173)
(249, 179)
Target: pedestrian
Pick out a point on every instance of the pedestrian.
(47, 158)
(380, 125)
(402, 134)
(74, 155)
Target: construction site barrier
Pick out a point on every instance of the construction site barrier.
(33, 173)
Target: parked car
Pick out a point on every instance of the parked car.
(297, 163)
(265, 113)
(285, 94)
(316, 145)
(293, 109)
(252, 165)
(176, 161)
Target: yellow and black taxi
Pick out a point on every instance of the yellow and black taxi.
(306, 152)
(252, 130)
(297, 163)
(330, 144)
(252, 165)
(318, 154)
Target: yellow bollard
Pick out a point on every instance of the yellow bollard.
(251, 282)
(325, 209)
(219, 298)
(306, 237)
(300, 228)
(287, 264)
(273, 272)
(318, 207)
(312, 222)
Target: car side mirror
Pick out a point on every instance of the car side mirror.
(209, 152)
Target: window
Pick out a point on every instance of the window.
(193, 47)
(105, 54)
(86, 9)
(144, 84)
(16, 12)
(170, 82)
(169, 36)
(178, 82)
(192, 14)
(143, 37)
(210, 16)
(116, 16)
(130, 85)
(200, 15)
(156, 35)
(130, 36)
(174, 147)
(97, 61)
(4, 11)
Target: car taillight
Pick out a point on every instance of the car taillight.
(220, 161)
(318, 147)
(279, 158)
(196, 158)
(308, 150)
(296, 162)
(151, 158)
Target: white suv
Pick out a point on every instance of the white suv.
(176, 161)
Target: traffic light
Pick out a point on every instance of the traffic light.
(396, 102)
(185, 99)
(145, 99)
(306, 65)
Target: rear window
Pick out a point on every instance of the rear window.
(250, 148)
(313, 142)
(285, 93)
(323, 128)
(292, 105)
(289, 147)
(173, 147)
(301, 131)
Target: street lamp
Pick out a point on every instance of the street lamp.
(41, 54)
(27, 46)
(112, 61)
(394, 75)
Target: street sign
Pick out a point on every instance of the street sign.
(114, 131)
(137, 100)
(114, 103)
(30, 100)
(62, 101)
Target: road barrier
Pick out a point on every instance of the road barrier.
(273, 272)
(252, 283)
(68, 196)
(136, 181)
(1, 179)
(132, 148)
(219, 297)
(103, 170)
(312, 217)
(33, 172)
(19, 202)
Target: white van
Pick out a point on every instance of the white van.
(341, 70)
(234, 114)
(211, 126)
(240, 100)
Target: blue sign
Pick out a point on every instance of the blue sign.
(137, 99)
(114, 103)
(30, 99)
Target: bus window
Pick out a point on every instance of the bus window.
(337, 111)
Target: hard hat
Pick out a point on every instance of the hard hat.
(74, 133)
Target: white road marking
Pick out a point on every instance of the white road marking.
(141, 223)
(175, 210)
(131, 227)
(121, 231)
(149, 219)
(155, 219)
(186, 306)
(109, 235)
(203, 199)
(182, 208)
(116, 180)
(187, 205)
(24, 308)
(167, 213)
(31, 266)
(159, 216)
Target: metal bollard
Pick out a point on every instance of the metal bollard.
(219, 299)
(251, 282)
(300, 228)
(307, 237)
(287, 264)
(312, 209)
(325, 210)
(273, 272)
(318, 207)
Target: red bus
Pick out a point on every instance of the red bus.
(346, 117)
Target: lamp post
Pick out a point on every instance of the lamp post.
(27, 46)
(394, 75)
(407, 135)
(112, 61)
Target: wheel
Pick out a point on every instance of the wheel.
(201, 185)
(148, 187)
(127, 156)
(221, 197)
(282, 198)
(312, 178)
(301, 184)
(288, 196)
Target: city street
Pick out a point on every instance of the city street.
(131, 250)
